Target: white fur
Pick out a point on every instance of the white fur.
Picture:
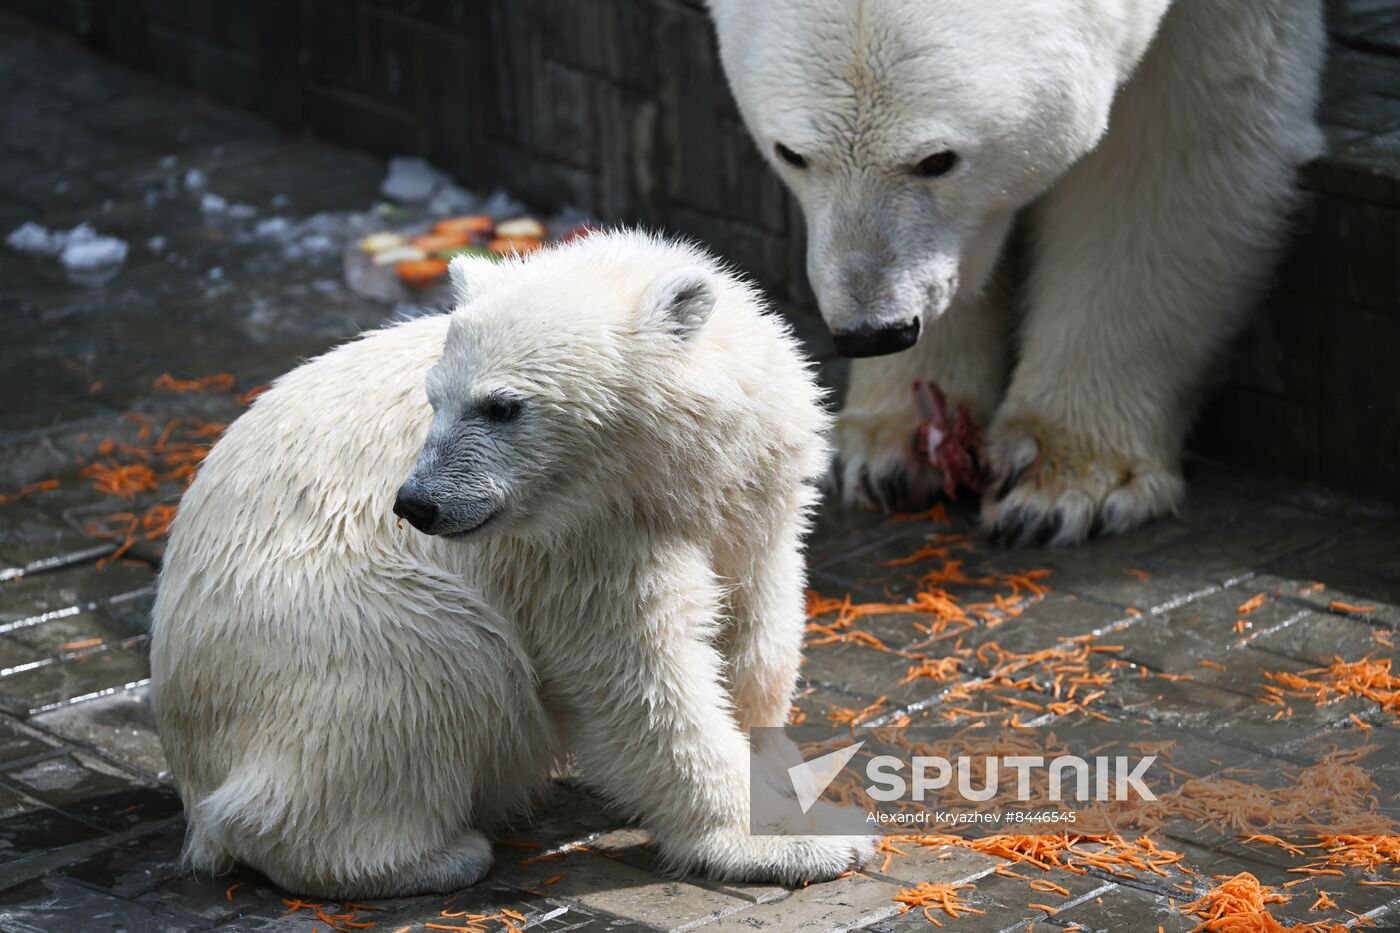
(346, 702)
(1155, 145)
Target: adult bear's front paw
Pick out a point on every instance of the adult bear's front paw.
(877, 461)
(1058, 487)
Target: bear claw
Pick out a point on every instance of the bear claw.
(1063, 491)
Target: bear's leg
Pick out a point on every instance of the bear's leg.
(653, 729)
(1148, 254)
(366, 758)
(963, 352)
(766, 619)
(457, 863)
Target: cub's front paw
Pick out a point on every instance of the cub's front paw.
(878, 463)
(785, 860)
(1059, 488)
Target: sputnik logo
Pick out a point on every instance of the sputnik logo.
(811, 778)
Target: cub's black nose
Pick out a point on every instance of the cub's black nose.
(876, 341)
(420, 512)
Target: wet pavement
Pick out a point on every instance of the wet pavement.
(250, 281)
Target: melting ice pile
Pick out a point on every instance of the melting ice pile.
(88, 257)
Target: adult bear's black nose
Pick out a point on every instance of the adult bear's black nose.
(417, 508)
(876, 341)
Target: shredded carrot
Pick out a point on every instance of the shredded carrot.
(937, 514)
(1251, 604)
(1324, 902)
(79, 645)
(842, 716)
(1048, 887)
(120, 480)
(1337, 605)
(1368, 678)
(228, 894)
(219, 382)
(1240, 905)
(44, 485)
(944, 896)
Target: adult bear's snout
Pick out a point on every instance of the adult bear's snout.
(876, 341)
(420, 511)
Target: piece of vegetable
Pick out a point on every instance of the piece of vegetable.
(509, 245)
(522, 227)
(422, 272)
(435, 242)
(472, 225)
(398, 254)
(378, 242)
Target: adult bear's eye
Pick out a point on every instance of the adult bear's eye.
(501, 409)
(788, 156)
(940, 163)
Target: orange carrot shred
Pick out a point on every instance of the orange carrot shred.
(1251, 604)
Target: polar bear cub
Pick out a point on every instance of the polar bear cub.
(608, 478)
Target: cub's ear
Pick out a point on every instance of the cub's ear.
(466, 274)
(679, 301)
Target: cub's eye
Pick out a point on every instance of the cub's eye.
(788, 156)
(501, 410)
(940, 163)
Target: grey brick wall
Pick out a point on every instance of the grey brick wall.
(1313, 387)
(619, 107)
(615, 106)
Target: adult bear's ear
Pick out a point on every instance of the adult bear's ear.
(466, 274)
(679, 301)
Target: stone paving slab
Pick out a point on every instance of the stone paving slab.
(90, 828)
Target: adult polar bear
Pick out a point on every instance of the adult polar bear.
(1155, 144)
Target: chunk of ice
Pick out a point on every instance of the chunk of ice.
(35, 239)
(411, 180)
(87, 257)
(92, 253)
